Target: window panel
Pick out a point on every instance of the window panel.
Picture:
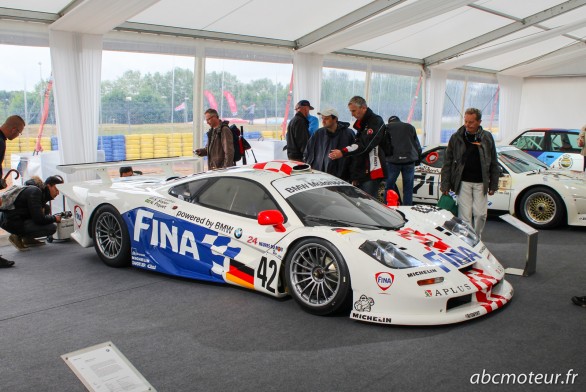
(338, 86)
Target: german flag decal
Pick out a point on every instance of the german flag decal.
(343, 231)
(240, 274)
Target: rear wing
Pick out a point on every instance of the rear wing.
(101, 168)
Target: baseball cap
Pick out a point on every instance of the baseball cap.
(329, 112)
(303, 102)
(394, 118)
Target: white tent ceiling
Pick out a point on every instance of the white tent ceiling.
(522, 37)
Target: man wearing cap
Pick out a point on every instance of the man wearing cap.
(28, 217)
(333, 135)
(367, 167)
(298, 131)
(402, 152)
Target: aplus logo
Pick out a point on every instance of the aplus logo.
(384, 280)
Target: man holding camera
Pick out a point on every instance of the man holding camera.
(27, 218)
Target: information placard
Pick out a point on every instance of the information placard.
(104, 368)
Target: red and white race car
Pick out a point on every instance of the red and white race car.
(282, 229)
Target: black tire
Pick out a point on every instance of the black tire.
(317, 277)
(111, 238)
(50, 239)
(542, 208)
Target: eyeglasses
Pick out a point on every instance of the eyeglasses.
(210, 117)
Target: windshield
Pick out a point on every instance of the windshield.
(519, 161)
(343, 206)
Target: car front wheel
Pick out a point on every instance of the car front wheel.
(542, 208)
(317, 277)
(111, 238)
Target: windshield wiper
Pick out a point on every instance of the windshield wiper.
(341, 222)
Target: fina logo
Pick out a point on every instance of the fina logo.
(77, 216)
(384, 280)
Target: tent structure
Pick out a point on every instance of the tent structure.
(535, 49)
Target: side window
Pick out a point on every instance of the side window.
(238, 196)
(564, 142)
(188, 190)
(533, 140)
(435, 158)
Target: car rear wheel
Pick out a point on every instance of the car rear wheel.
(111, 238)
(542, 208)
(317, 277)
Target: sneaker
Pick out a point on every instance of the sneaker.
(17, 242)
(32, 242)
(5, 263)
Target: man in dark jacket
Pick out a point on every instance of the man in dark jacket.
(367, 167)
(28, 219)
(471, 169)
(402, 152)
(332, 136)
(10, 130)
(298, 131)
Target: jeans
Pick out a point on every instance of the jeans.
(370, 187)
(407, 171)
(28, 228)
(473, 205)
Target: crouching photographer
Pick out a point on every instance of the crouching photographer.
(25, 213)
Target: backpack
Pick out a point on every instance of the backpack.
(240, 144)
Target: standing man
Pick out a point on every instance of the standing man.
(11, 129)
(471, 169)
(367, 167)
(332, 136)
(298, 131)
(220, 146)
(402, 153)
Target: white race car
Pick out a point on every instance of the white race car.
(282, 229)
(541, 197)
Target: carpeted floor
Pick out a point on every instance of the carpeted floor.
(190, 336)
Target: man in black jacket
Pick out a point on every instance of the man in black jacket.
(367, 167)
(333, 135)
(11, 129)
(402, 152)
(298, 131)
(28, 219)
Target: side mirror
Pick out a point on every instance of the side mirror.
(272, 217)
(501, 171)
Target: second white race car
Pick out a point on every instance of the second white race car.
(542, 197)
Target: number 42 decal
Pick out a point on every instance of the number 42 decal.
(266, 272)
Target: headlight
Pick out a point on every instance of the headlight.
(389, 255)
(462, 230)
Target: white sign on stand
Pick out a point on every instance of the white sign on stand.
(531, 258)
(104, 368)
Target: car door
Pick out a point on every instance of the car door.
(248, 254)
(426, 186)
(502, 197)
(564, 152)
